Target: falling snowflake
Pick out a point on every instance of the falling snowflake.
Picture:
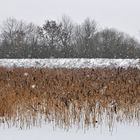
(26, 74)
(33, 86)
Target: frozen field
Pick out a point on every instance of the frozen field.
(123, 132)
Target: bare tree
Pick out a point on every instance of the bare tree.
(16, 37)
(115, 44)
(50, 32)
(66, 37)
(84, 38)
(89, 29)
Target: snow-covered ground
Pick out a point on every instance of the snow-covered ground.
(122, 132)
(70, 63)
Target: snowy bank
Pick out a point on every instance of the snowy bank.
(70, 63)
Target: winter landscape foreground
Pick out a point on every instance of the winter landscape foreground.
(75, 98)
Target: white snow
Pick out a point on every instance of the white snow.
(122, 132)
(70, 63)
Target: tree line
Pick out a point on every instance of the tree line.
(64, 39)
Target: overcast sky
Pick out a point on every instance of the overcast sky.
(123, 15)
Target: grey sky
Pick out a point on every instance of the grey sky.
(120, 14)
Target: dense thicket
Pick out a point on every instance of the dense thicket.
(67, 98)
(64, 39)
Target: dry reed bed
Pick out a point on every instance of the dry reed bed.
(67, 97)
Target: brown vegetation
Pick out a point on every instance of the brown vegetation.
(67, 97)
